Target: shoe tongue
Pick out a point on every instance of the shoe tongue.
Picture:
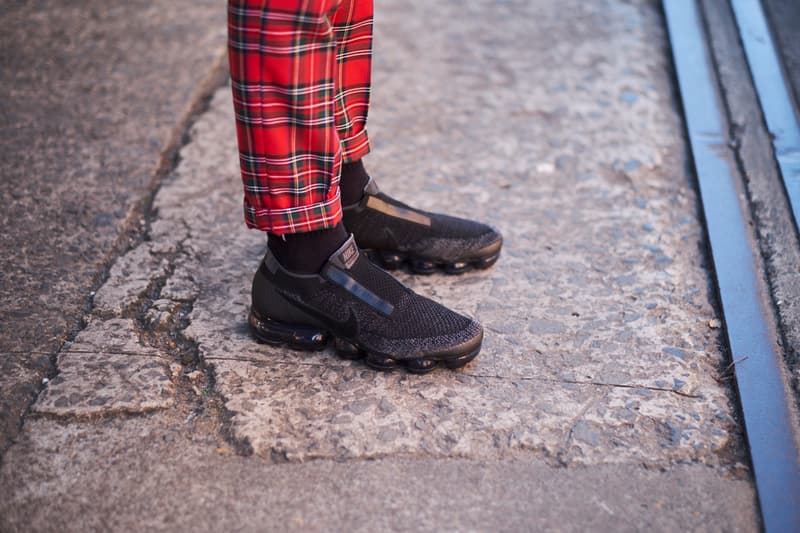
(346, 256)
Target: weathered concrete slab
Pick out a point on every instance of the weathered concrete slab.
(107, 370)
(92, 92)
(162, 474)
(299, 410)
(128, 280)
(594, 405)
(602, 342)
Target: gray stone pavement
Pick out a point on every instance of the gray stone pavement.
(599, 400)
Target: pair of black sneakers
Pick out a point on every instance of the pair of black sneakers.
(364, 309)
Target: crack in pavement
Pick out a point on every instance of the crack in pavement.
(325, 365)
(548, 308)
(134, 232)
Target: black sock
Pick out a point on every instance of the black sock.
(354, 179)
(306, 253)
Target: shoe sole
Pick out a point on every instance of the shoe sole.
(391, 260)
(309, 338)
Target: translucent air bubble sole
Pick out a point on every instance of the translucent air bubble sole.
(309, 338)
(395, 260)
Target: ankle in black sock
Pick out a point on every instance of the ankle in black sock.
(306, 253)
(354, 179)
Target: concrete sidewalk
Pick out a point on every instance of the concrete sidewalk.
(599, 400)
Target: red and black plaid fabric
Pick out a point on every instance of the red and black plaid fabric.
(300, 72)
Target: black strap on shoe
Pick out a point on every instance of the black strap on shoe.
(336, 270)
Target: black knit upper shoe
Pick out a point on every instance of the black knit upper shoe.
(393, 233)
(368, 312)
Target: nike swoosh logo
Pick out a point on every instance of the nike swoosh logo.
(341, 328)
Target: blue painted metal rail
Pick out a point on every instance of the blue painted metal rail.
(774, 95)
(751, 334)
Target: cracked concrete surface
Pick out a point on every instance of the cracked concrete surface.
(602, 346)
(599, 347)
(94, 95)
(600, 306)
(105, 371)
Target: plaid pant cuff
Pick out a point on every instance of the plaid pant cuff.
(355, 147)
(300, 219)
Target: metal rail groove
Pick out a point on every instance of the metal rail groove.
(751, 335)
(773, 92)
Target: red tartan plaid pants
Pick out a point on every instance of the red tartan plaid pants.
(300, 74)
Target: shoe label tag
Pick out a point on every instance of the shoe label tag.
(395, 211)
(346, 256)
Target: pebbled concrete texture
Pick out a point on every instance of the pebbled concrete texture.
(105, 371)
(599, 345)
(602, 343)
(599, 400)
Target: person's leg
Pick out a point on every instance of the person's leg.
(353, 29)
(392, 231)
(283, 73)
(294, 130)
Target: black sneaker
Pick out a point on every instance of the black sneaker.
(368, 313)
(394, 233)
